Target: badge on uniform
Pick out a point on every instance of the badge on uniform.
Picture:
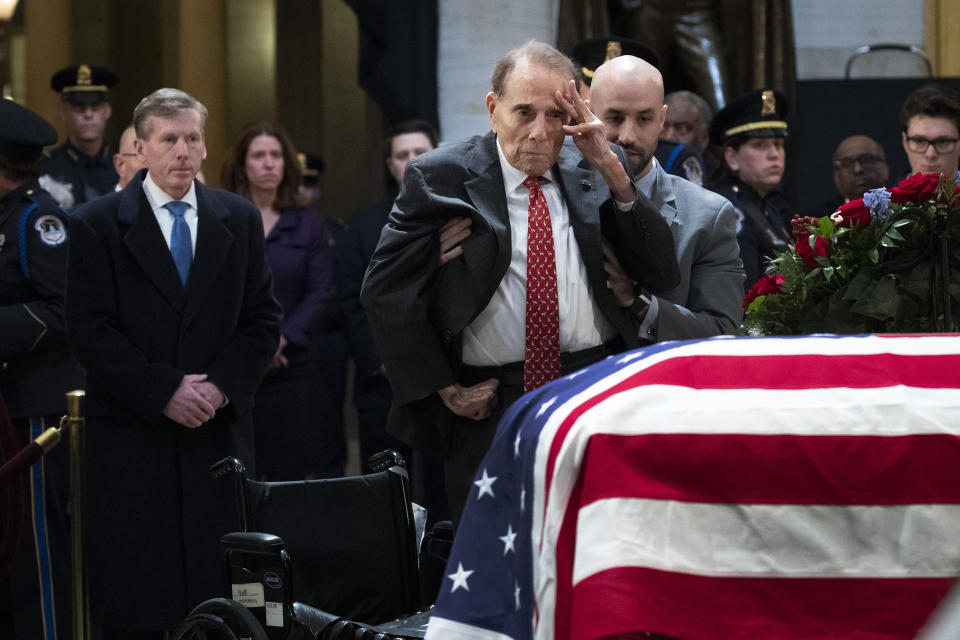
(740, 219)
(693, 170)
(51, 230)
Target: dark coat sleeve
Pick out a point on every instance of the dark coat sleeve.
(642, 241)
(35, 321)
(396, 291)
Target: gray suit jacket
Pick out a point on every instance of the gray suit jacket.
(707, 302)
(417, 311)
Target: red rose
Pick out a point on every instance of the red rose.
(765, 286)
(854, 213)
(916, 188)
(808, 253)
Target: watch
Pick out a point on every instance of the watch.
(639, 307)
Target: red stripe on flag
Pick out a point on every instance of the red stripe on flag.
(686, 606)
(805, 371)
(773, 469)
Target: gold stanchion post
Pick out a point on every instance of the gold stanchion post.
(74, 423)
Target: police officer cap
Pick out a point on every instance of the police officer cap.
(590, 54)
(760, 114)
(83, 84)
(311, 168)
(23, 134)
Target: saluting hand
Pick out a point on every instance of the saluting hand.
(590, 137)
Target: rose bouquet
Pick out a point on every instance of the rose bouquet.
(886, 262)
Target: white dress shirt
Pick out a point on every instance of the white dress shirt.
(157, 197)
(496, 336)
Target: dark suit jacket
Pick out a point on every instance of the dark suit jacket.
(418, 312)
(155, 517)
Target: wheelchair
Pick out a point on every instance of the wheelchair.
(313, 558)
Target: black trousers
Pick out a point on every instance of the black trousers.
(36, 597)
(470, 439)
(295, 437)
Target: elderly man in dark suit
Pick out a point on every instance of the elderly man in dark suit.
(170, 309)
(528, 299)
(627, 95)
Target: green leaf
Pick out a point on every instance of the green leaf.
(874, 255)
(902, 222)
(878, 301)
(893, 233)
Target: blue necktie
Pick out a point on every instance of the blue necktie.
(180, 246)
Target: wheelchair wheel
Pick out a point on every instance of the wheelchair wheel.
(220, 619)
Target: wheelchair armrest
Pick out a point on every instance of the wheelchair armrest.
(252, 542)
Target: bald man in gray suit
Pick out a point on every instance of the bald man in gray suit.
(627, 95)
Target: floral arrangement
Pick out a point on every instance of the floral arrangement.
(886, 262)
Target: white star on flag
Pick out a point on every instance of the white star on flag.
(516, 594)
(523, 498)
(508, 540)
(516, 446)
(486, 484)
(460, 578)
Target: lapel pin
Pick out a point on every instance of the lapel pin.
(586, 186)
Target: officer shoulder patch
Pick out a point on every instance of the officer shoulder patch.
(51, 229)
(693, 170)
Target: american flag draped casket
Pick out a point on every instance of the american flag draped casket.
(803, 487)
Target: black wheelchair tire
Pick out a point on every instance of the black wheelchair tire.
(227, 617)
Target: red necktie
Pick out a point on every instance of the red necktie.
(541, 361)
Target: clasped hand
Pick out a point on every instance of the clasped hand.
(476, 402)
(194, 402)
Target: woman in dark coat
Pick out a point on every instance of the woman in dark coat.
(293, 440)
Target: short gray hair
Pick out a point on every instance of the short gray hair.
(535, 53)
(704, 111)
(165, 103)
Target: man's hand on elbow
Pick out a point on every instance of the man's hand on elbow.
(188, 406)
(476, 402)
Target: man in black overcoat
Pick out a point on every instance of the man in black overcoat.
(170, 309)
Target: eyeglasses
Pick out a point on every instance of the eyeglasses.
(919, 144)
(866, 160)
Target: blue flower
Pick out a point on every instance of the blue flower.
(879, 202)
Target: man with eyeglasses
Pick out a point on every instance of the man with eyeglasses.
(859, 164)
(930, 117)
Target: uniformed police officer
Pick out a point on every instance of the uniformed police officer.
(679, 159)
(82, 167)
(751, 132)
(36, 370)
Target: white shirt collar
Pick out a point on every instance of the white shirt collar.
(513, 177)
(157, 197)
